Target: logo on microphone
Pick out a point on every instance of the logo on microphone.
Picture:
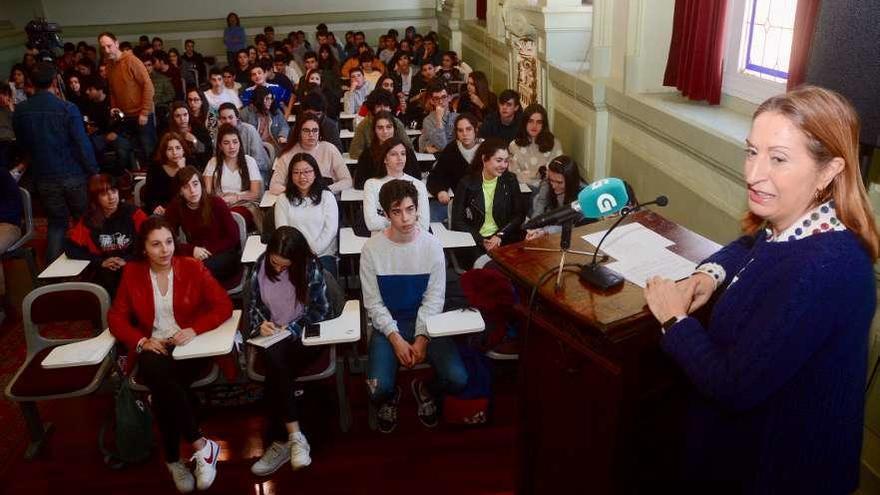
(606, 202)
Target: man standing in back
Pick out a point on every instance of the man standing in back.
(131, 90)
(50, 132)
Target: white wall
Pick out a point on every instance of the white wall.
(87, 12)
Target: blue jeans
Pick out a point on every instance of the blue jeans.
(62, 199)
(439, 211)
(450, 373)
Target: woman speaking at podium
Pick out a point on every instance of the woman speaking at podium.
(779, 373)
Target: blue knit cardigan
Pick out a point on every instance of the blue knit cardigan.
(779, 375)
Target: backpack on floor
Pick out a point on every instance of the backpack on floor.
(471, 405)
(132, 426)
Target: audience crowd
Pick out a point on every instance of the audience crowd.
(208, 137)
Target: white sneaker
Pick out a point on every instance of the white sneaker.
(273, 458)
(299, 451)
(183, 478)
(206, 464)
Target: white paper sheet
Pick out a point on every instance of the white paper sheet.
(638, 267)
(626, 239)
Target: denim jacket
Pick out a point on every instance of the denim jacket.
(317, 308)
(52, 132)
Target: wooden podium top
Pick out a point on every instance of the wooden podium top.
(607, 312)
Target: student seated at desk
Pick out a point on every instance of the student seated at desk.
(172, 154)
(370, 163)
(533, 147)
(307, 205)
(164, 301)
(377, 102)
(264, 114)
(561, 188)
(235, 177)
(453, 163)
(198, 137)
(211, 232)
(306, 138)
(488, 202)
(106, 234)
(288, 293)
(403, 278)
(393, 153)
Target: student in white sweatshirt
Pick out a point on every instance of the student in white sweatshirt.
(403, 279)
(393, 152)
(310, 207)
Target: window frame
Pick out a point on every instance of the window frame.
(736, 82)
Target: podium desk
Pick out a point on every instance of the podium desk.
(600, 404)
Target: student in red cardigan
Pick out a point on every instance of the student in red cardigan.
(211, 232)
(164, 301)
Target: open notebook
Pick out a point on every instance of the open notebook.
(83, 353)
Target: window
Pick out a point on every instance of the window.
(758, 48)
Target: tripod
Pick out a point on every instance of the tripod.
(564, 247)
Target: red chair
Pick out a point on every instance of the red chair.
(56, 303)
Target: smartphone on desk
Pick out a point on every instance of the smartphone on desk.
(313, 331)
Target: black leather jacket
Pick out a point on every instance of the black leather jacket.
(509, 207)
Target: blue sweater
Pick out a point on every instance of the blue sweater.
(779, 375)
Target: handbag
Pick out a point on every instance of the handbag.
(132, 426)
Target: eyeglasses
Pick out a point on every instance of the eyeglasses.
(439, 98)
(303, 172)
(305, 130)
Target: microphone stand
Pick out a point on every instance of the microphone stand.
(564, 247)
(600, 276)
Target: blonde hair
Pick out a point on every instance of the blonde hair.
(831, 126)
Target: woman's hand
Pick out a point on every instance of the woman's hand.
(159, 210)
(443, 197)
(666, 299)
(532, 234)
(201, 253)
(703, 286)
(230, 198)
(268, 328)
(492, 243)
(420, 349)
(113, 263)
(476, 100)
(404, 352)
(183, 336)
(155, 345)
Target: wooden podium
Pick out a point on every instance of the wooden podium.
(601, 405)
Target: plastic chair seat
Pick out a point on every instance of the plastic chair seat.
(35, 382)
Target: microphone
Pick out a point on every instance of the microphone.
(599, 199)
(600, 276)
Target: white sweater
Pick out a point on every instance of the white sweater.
(377, 221)
(318, 223)
(392, 270)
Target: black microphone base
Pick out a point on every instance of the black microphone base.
(600, 277)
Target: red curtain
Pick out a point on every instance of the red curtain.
(804, 25)
(697, 49)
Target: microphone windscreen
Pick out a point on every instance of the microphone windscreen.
(603, 197)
